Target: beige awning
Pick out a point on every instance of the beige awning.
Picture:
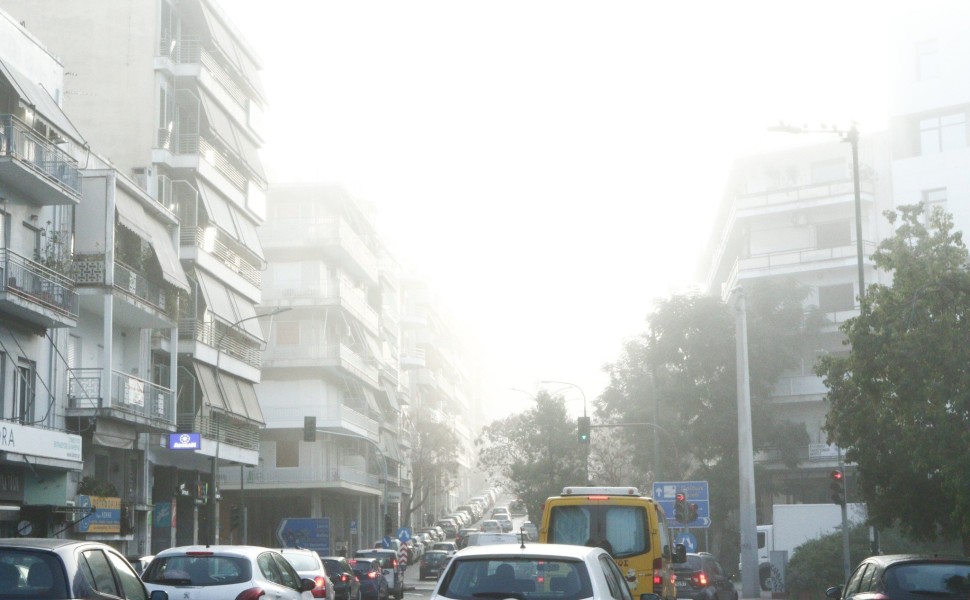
(223, 126)
(168, 258)
(216, 297)
(210, 387)
(40, 101)
(241, 398)
(230, 219)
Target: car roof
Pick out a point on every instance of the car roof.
(298, 551)
(888, 559)
(218, 549)
(40, 543)
(561, 551)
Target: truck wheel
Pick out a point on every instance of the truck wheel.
(764, 576)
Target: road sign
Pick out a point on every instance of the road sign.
(309, 533)
(664, 492)
(386, 542)
(688, 540)
(404, 534)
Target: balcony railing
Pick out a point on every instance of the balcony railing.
(128, 394)
(90, 270)
(220, 429)
(306, 475)
(20, 142)
(34, 282)
(232, 343)
(800, 194)
(313, 354)
(198, 237)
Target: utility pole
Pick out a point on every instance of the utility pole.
(746, 506)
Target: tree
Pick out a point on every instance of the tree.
(900, 398)
(681, 376)
(535, 452)
(434, 465)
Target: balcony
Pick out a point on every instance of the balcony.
(303, 477)
(222, 430)
(783, 199)
(44, 173)
(229, 252)
(31, 291)
(131, 398)
(340, 292)
(90, 270)
(337, 356)
(333, 234)
(802, 385)
(233, 343)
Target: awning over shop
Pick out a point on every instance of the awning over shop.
(168, 257)
(113, 435)
(40, 101)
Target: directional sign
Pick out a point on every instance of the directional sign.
(664, 493)
(404, 534)
(688, 540)
(309, 533)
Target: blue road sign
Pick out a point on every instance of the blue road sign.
(665, 492)
(404, 534)
(386, 542)
(688, 540)
(309, 533)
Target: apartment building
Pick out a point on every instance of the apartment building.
(791, 214)
(332, 359)
(170, 95)
(40, 188)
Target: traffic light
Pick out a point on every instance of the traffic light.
(235, 517)
(837, 486)
(583, 425)
(680, 508)
(692, 512)
(309, 429)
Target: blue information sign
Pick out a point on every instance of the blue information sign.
(404, 534)
(665, 493)
(184, 441)
(688, 540)
(309, 533)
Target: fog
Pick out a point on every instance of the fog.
(552, 167)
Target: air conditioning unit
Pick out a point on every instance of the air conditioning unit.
(144, 177)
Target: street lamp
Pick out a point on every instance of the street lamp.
(213, 497)
(851, 136)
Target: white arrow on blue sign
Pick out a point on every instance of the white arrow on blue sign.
(688, 540)
(665, 493)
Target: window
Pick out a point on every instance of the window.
(932, 199)
(832, 234)
(829, 170)
(927, 60)
(24, 392)
(98, 572)
(832, 298)
(942, 133)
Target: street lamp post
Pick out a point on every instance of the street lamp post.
(586, 448)
(213, 495)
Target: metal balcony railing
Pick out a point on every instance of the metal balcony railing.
(20, 142)
(218, 428)
(34, 282)
(198, 237)
(90, 270)
(232, 343)
(128, 394)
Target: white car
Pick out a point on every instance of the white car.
(482, 538)
(532, 572)
(309, 566)
(218, 572)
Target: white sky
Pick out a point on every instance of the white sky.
(551, 167)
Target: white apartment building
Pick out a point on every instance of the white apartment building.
(170, 95)
(791, 213)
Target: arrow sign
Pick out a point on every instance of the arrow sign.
(309, 533)
(688, 540)
(665, 492)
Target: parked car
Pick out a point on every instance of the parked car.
(505, 521)
(224, 571)
(491, 526)
(309, 566)
(533, 572)
(346, 586)
(433, 563)
(57, 568)
(373, 586)
(138, 562)
(906, 577)
(392, 570)
(702, 578)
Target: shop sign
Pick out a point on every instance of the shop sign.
(105, 518)
(36, 441)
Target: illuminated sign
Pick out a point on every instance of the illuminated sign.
(185, 441)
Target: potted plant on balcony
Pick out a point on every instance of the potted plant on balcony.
(55, 252)
(90, 486)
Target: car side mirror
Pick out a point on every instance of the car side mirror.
(158, 595)
(834, 592)
(307, 584)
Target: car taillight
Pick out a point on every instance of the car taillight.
(320, 582)
(343, 578)
(251, 594)
(394, 563)
(658, 564)
(372, 575)
(699, 579)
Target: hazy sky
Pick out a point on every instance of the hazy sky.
(551, 167)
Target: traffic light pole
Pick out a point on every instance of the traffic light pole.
(846, 568)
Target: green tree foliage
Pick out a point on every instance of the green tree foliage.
(535, 452)
(434, 465)
(900, 399)
(681, 375)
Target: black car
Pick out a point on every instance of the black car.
(433, 563)
(56, 568)
(373, 586)
(346, 586)
(906, 577)
(702, 578)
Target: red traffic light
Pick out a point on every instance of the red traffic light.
(836, 475)
(680, 497)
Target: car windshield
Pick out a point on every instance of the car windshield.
(434, 558)
(516, 577)
(937, 579)
(180, 570)
(25, 574)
